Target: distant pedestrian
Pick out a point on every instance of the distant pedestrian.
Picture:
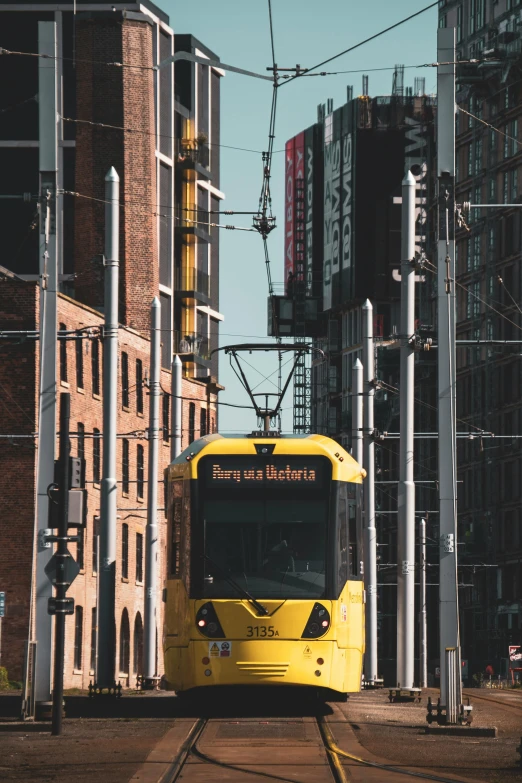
(489, 670)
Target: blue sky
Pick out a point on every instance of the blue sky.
(305, 32)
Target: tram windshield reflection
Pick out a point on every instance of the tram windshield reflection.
(272, 544)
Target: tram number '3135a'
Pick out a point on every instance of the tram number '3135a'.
(261, 631)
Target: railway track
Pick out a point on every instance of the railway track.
(279, 750)
(509, 705)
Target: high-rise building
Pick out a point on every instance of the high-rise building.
(489, 297)
(342, 246)
(159, 128)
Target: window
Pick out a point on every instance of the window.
(492, 238)
(473, 304)
(63, 355)
(81, 440)
(166, 418)
(124, 380)
(96, 456)
(202, 422)
(139, 557)
(138, 645)
(443, 21)
(95, 366)
(192, 422)
(478, 156)
(93, 639)
(476, 251)
(95, 536)
(492, 140)
(125, 551)
(514, 186)
(459, 24)
(124, 643)
(140, 471)
(470, 160)
(514, 139)
(505, 187)
(79, 361)
(125, 466)
(78, 637)
(492, 189)
(139, 386)
(80, 548)
(507, 141)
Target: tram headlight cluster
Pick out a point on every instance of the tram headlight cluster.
(318, 622)
(207, 622)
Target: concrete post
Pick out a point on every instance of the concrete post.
(423, 636)
(175, 443)
(370, 539)
(406, 486)
(49, 233)
(108, 505)
(151, 558)
(448, 591)
(357, 412)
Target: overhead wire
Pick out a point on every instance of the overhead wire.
(366, 40)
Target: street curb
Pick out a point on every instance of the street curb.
(462, 731)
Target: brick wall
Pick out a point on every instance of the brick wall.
(123, 97)
(18, 408)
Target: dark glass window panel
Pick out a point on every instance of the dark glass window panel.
(81, 440)
(19, 75)
(124, 643)
(215, 128)
(125, 467)
(165, 224)
(140, 471)
(165, 86)
(166, 330)
(166, 417)
(192, 422)
(95, 366)
(139, 386)
(78, 637)
(139, 557)
(202, 422)
(69, 205)
(79, 362)
(93, 639)
(80, 548)
(124, 380)
(63, 354)
(19, 169)
(125, 551)
(96, 456)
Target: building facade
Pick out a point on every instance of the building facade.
(489, 294)
(160, 129)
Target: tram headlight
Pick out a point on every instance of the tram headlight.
(318, 622)
(207, 622)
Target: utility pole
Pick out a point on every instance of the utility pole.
(175, 447)
(108, 505)
(423, 636)
(406, 486)
(62, 555)
(357, 411)
(151, 561)
(49, 231)
(370, 540)
(448, 591)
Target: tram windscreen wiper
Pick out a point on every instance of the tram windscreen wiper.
(241, 590)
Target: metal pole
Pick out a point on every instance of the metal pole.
(49, 231)
(370, 549)
(357, 412)
(108, 504)
(423, 635)
(175, 447)
(151, 558)
(62, 554)
(448, 593)
(406, 486)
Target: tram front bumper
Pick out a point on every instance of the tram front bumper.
(231, 662)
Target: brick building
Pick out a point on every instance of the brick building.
(489, 293)
(156, 259)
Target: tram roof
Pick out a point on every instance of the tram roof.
(344, 467)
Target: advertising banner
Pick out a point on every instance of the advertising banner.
(289, 211)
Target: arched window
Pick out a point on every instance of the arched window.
(96, 456)
(124, 643)
(137, 642)
(140, 471)
(192, 422)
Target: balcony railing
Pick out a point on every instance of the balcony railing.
(191, 344)
(194, 281)
(192, 151)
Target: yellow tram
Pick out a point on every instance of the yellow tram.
(264, 564)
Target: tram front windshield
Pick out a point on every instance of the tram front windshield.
(265, 527)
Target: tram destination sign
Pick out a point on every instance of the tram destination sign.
(228, 472)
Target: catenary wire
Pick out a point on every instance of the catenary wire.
(366, 40)
(489, 125)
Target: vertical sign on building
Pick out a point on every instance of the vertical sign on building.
(347, 222)
(299, 209)
(289, 211)
(327, 211)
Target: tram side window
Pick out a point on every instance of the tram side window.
(347, 527)
(176, 510)
(179, 530)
